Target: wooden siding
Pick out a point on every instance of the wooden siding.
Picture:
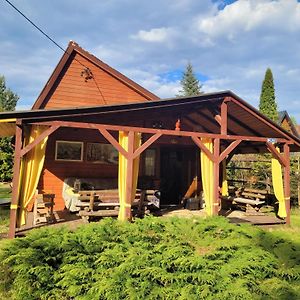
(286, 125)
(72, 90)
(55, 172)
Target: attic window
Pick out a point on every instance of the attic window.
(87, 74)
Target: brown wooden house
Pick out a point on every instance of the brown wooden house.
(285, 122)
(86, 103)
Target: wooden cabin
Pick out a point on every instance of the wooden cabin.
(85, 106)
(285, 121)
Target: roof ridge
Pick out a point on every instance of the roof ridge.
(74, 46)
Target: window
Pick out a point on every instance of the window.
(101, 153)
(150, 155)
(69, 151)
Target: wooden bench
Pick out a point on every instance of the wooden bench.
(43, 209)
(105, 203)
(252, 199)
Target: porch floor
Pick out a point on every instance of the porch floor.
(65, 218)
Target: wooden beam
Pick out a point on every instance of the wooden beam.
(194, 124)
(230, 156)
(162, 131)
(15, 181)
(211, 120)
(113, 141)
(147, 144)
(224, 117)
(216, 203)
(229, 149)
(203, 148)
(218, 119)
(259, 117)
(276, 154)
(41, 137)
(287, 192)
(241, 124)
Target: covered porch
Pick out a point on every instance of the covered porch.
(194, 137)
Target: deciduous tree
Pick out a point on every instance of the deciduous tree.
(8, 101)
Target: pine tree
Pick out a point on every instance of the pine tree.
(190, 84)
(8, 101)
(268, 104)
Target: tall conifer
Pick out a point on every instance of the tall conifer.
(268, 104)
(189, 82)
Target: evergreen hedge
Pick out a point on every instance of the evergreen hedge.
(153, 258)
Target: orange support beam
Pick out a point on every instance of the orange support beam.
(199, 143)
(224, 113)
(228, 150)
(281, 158)
(39, 139)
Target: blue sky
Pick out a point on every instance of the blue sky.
(229, 43)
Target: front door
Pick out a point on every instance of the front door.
(178, 165)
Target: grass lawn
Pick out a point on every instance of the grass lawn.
(5, 193)
(293, 232)
(154, 258)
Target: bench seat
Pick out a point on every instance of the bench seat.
(248, 201)
(103, 203)
(251, 199)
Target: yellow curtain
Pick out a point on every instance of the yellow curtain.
(124, 203)
(278, 186)
(207, 175)
(31, 168)
(224, 179)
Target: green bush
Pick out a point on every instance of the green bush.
(153, 258)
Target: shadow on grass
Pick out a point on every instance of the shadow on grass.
(287, 253)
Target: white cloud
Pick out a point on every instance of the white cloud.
(248, 15)
(155, 35)
(154, 83)
(232, 47)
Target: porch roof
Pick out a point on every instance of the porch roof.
(198, 113)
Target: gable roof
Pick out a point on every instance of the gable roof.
(74, 48)
(243, 119)
(283, 115)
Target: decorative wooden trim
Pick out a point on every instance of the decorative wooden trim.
(203, 148)
(39, 139)
(162, 131)
(281, 158)
(113, 141)
(15, 182)
(229, 149)
(147, 144)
